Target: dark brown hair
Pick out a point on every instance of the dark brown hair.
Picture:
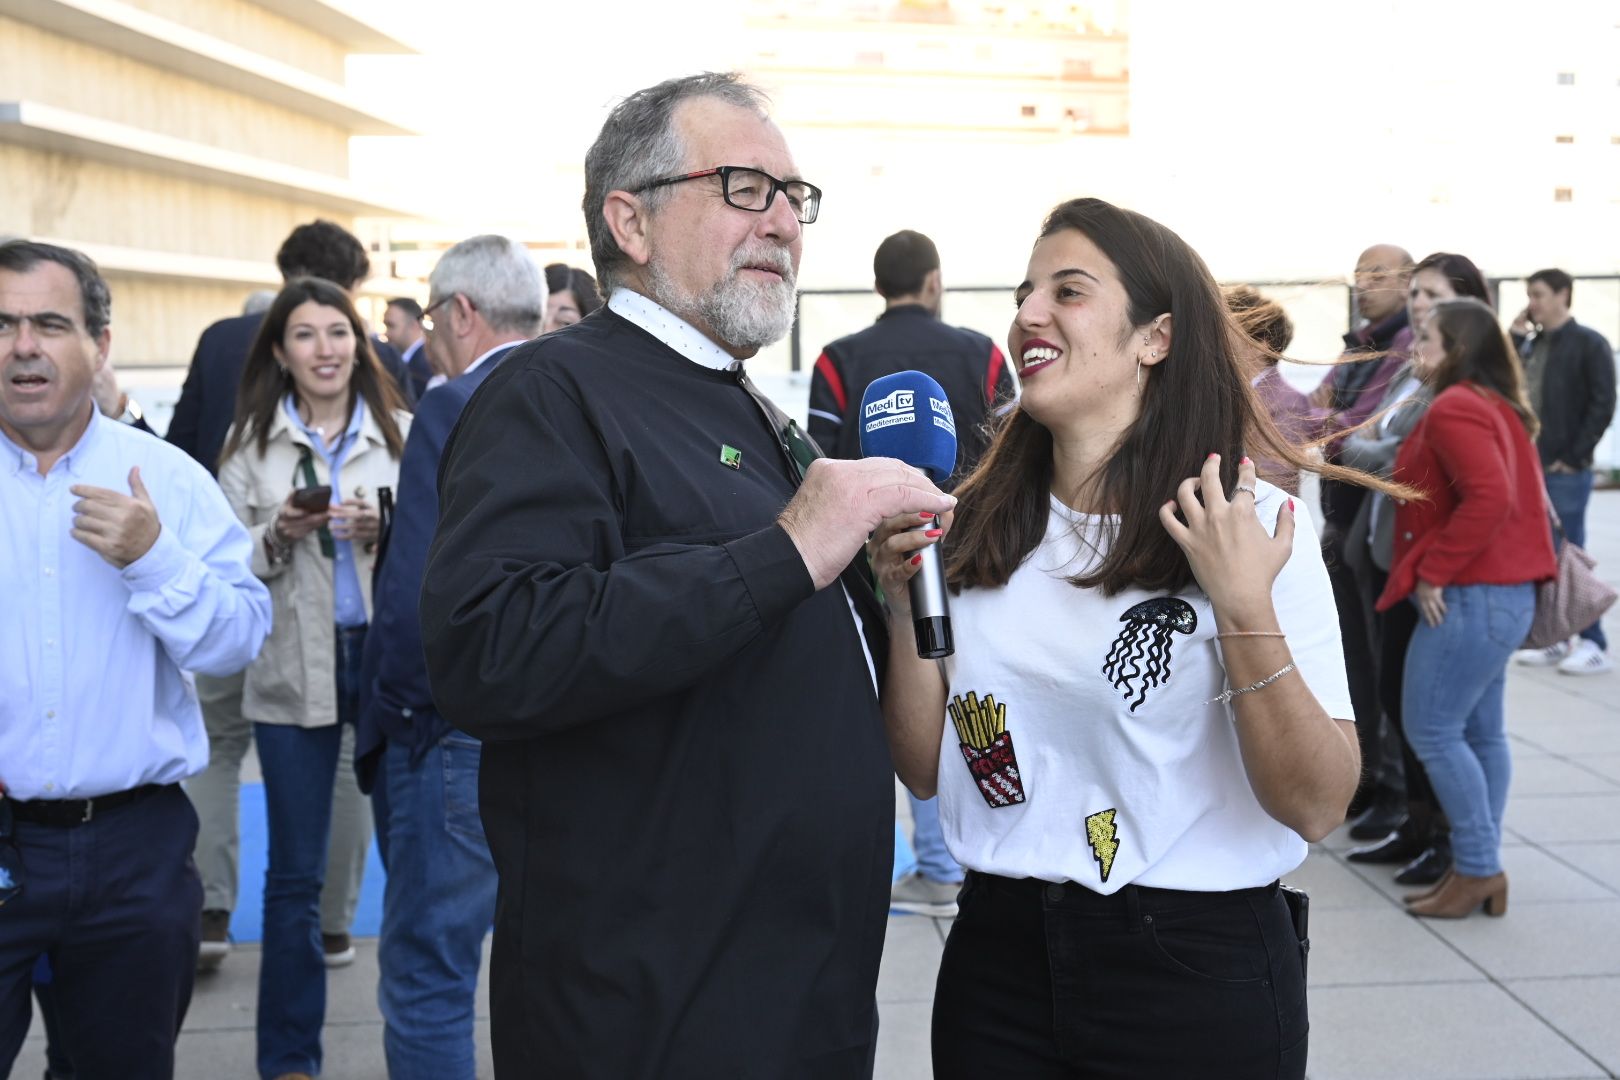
(1556, 280)
(1260, 317)
(324, 249)
(1196, 401)
(1465, 278)
(902, 262)
(560, 277)
(265, 382)
(1478, 352)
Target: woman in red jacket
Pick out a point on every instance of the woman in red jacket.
(1467, 556)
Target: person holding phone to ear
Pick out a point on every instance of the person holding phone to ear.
(319, 429)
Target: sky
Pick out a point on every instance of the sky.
(1279, 137)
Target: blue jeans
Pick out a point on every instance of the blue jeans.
(1570, 492)
(438, 904)
(934, 862)
(299, 766)
(1452, 708)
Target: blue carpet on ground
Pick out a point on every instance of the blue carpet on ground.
(247, 922)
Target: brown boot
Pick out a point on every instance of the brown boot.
(1412, 898)
(1460, 895)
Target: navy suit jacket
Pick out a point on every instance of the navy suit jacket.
(395, 702)
(417, 368)
(207, 405)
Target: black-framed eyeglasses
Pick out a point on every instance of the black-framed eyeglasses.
(753, 190)
(427, 312)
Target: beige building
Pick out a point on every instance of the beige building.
(177, 142)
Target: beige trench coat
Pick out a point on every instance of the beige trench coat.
(294, 679)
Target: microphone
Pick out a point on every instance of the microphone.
(907, 416)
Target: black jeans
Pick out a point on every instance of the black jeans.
(1043, 980)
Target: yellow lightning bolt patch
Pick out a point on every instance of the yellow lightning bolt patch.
(1103, 835)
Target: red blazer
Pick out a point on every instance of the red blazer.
(1485, 519)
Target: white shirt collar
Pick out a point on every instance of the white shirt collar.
(492, 352)
(436, 380)
(670, 328)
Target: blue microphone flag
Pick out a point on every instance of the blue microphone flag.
(907, 416)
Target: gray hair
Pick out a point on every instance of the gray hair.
(499, 276)
(639, 144)
(21, 256)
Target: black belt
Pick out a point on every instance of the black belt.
(70, 813)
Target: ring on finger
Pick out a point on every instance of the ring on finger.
(1246, 489)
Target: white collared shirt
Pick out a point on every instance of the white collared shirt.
(670, 328)
(94, 695)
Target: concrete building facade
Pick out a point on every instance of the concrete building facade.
(177, 142)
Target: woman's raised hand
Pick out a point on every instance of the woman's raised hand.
(1233, 557)
(895, 553)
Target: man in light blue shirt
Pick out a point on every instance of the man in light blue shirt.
(122, 568)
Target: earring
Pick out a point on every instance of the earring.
(1138, 374)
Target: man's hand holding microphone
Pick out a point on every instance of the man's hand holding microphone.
(889, 501)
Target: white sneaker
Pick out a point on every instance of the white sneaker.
(918, 895)
(1586, 659)
(1547, 657)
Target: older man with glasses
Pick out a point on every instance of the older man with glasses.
(652, 607)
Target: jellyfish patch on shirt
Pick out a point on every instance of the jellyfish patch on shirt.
(1140, 658)
(981, 731)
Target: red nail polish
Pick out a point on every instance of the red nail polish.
(1244, 461)
(916, 559)
(934, 532)
(1290, 505)
(1212, 457)
(926, 516)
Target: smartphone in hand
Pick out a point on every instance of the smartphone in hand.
(313, 500)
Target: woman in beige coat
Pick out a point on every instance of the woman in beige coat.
(319, 430)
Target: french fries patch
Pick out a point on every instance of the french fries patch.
(987, 747)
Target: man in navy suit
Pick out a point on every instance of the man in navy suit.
(486, 296)
(402, 328)
(202, 417)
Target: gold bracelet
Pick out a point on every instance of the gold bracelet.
(1252, 633)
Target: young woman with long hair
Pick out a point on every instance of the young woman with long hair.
(315, 411)
(1467, 556)
(1142, 725)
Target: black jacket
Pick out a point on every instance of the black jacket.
(207, 406)
(1577, 393)
(685, 783)
(908, 338)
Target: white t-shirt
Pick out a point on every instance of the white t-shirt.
(1079, 744)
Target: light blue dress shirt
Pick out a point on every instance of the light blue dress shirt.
(94, 698)
(349, 606)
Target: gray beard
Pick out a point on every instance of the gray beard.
(742, 314)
